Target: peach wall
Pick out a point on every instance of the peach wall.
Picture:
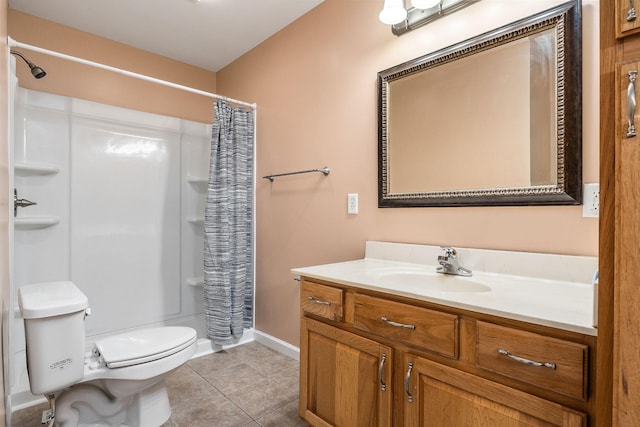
(4, 202)
(315, 85)
(81, 81)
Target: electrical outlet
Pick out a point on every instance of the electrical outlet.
(591, 201)
(352, 203)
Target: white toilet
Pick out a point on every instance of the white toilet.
(120, 382)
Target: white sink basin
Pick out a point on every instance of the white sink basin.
(428, 280)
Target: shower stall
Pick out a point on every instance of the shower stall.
(119, 211)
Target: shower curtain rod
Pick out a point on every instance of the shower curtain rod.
(14, 43)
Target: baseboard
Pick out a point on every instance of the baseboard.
(277, 344)
(24, 400)
(205, 346)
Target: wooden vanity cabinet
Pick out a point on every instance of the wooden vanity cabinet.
(379, 360)
(627, 17)
(438, 395)
(619, 224)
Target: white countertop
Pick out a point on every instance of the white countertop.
(561, 304)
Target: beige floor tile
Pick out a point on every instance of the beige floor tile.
(289, 379)
(235, 378)
(215, 362)
(220, 412)
(263, 397)
(286, 416)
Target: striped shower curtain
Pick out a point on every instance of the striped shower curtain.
(228, 226)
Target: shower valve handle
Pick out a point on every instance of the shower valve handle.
(20, 203)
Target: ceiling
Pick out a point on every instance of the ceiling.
(209, 33)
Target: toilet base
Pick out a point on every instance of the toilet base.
(86, 405)
(149, 408)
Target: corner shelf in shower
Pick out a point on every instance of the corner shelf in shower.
(197, 179)
(35, 222)
(32, 169)
(198, 183)
(198, 220)
(195, 281)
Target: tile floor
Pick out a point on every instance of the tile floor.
(245, 386)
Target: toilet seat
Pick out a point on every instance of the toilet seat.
(164, 361)
(142, 346)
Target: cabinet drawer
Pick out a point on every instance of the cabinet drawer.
(550, 363)
(325, 301)
(420, 327)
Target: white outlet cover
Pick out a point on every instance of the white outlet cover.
(352, 203)
(591, 201)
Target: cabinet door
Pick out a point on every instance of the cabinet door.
(626, 336)
(345, 380)
(627, 17)
(440, 396)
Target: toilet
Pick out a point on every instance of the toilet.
(119, 382)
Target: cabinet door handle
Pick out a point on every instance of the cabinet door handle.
(396, 324)
(317, 301)
(631, 13)
(383, 359)
(631, 103)
(407, 383)
(526, 361)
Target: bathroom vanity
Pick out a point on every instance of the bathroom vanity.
(389, 342)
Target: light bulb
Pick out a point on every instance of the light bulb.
(393, 12)
(424, 4)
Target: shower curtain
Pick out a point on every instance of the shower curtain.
(228, 226)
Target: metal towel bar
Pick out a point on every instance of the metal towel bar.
(325, 170)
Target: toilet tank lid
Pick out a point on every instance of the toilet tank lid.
(50, 299)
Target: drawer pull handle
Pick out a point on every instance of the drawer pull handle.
(317, 301)
(631, 13)
(631, 104)
(526, 361)
(396, 324)
(383, 359)
(407, 383)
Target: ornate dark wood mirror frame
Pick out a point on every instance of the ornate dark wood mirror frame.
(565, 20)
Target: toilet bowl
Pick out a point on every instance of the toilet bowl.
(119, 382)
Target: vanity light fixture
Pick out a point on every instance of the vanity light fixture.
(422, 12)
(393, 12)
(424, 4)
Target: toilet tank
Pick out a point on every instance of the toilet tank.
(53, 315)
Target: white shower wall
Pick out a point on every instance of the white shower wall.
(127, 190)
(125, 212)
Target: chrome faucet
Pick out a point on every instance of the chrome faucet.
(449, 263)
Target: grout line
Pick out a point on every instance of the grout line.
(225, 395)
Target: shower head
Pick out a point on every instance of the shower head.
(37, 72)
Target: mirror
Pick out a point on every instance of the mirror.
(493, 120)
